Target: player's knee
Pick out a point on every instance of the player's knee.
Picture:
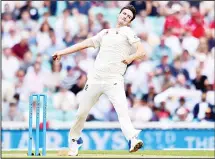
(122, 114)
(82, 114)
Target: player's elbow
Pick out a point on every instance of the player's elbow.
(141, 55)
(141, 52)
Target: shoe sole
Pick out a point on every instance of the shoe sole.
(138, 146)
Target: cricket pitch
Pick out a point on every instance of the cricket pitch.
(115, 154)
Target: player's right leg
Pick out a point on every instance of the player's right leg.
(116, 94)
(90, 96)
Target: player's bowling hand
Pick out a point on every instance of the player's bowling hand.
(127, 61)
(56, 56)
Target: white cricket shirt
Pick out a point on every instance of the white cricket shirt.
(115, 45)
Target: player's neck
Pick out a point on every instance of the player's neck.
(118, 25)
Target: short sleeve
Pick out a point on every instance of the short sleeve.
(132, 37)
(98, 38)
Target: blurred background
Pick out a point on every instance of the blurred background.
(173, 84)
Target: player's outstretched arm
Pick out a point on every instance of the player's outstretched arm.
(140, 53)
(72, 49)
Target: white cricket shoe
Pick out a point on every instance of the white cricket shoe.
(135, 143)
(74, 146)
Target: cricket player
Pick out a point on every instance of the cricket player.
(107, 76)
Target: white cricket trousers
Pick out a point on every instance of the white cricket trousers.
(114, 90)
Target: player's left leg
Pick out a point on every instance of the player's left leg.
(116, 93)
(90, 96)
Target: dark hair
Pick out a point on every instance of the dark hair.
(43, 24)
(132, 9)
(53, 63)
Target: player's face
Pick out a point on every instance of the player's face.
(125, 17)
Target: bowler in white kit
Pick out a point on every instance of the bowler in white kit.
(107, 76)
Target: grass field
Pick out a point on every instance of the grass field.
(117, 154)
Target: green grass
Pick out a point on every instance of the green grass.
(118, 154)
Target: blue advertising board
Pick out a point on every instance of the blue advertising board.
(113, 139)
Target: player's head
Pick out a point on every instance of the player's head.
(127, 15)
